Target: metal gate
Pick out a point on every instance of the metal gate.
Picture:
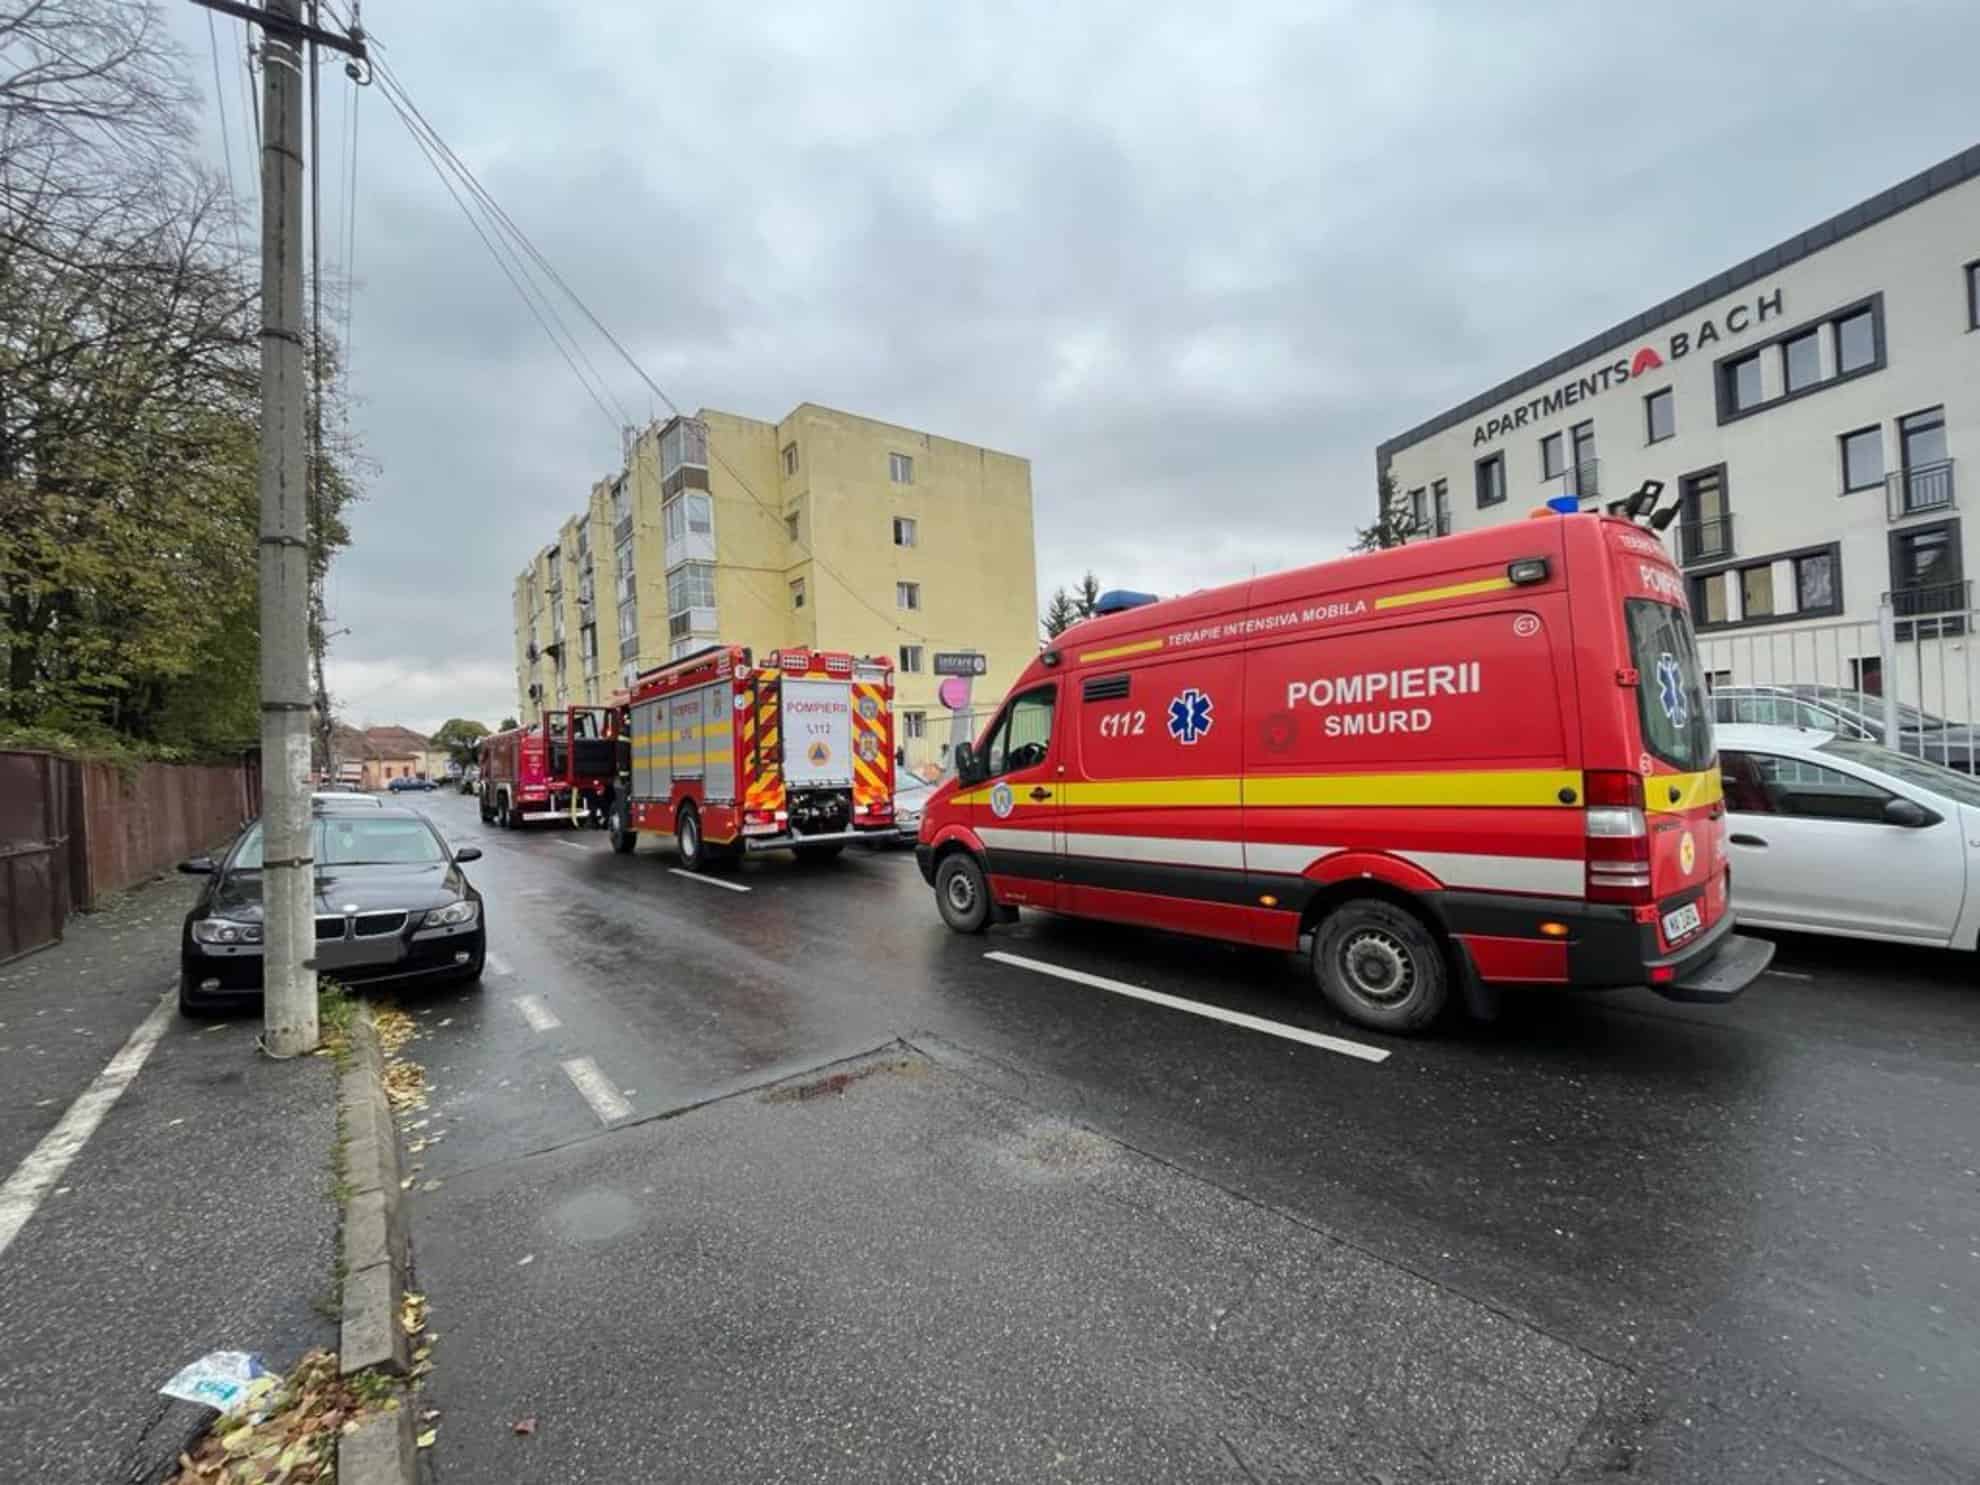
(37, 792)
(1908, 678)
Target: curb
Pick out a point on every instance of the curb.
(377, 1265)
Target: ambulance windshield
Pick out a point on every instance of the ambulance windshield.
(1670, 695)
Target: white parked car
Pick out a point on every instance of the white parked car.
(1831, 834)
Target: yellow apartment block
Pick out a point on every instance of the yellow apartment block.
(826, 530)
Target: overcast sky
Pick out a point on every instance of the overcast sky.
(1194, 262)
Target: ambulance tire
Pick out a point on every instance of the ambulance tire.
(1378, 965)
(962, 893)
(688, 843)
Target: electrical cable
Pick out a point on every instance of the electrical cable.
(226, 136)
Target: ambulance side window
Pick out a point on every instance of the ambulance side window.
(1023, 735)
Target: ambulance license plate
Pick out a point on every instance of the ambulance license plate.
(1681, 923)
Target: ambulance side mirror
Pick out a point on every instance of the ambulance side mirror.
(966, 764)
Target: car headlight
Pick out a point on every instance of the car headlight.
(225, 931)
(446, 917)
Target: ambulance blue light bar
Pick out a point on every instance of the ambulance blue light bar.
(1120, 600)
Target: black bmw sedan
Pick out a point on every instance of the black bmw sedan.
(392, 904)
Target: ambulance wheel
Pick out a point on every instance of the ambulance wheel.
(1378, 965)
(687, 840)
(623, 839)
(962, 893)
(811, 855)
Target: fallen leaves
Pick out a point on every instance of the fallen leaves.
(425, 1440)
(412, 1312)
(286, 1436)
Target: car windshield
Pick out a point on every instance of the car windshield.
(1911, 770)
(352, 840)
(1670, 693)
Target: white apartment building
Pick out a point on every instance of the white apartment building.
(1814, 411)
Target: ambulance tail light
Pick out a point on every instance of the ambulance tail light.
(1618, 838)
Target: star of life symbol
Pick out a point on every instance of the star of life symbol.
(1189, 716)
(1670, 690)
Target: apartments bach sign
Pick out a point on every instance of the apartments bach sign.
(1736, 320)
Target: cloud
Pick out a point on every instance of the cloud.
(1195, 268)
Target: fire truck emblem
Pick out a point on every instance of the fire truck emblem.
(819, 754)
(1189, 716)
(1687, 852)
(1670, 690)
(869, 708)
(1001, 802)
(869, 746)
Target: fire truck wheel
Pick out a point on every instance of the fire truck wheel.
(623, 840)
(1377, 964)
(963, 894)
(688, 841)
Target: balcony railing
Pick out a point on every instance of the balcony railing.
(1920, 489)
(1931, 610)
(1704, 541)
(1583, 480)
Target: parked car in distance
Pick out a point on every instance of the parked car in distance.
(392, 904)
(1848, 713)
(911, 794)
(406, 781)
(1836, 835)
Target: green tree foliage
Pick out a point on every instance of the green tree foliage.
(508, 725)
(1067, 609)
(129, 395)
(1394, 522)
(459, 737)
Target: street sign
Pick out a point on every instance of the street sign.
(961, 662)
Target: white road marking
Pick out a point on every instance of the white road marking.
(1787, 974)
(1197, 1008)
(36, 1175)
(494, 964)
(573, 844)
(695, 876)
(539, 1015)
(597, 1089)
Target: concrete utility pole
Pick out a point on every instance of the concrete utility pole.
(288, 874)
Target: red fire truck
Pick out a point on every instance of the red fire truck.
(560, 767)
(1481, 760)
(730, 755)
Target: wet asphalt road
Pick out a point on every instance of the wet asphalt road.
(1040, 1231)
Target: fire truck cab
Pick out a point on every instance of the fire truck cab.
(1481, 760)
(561, 767)
(731, 756)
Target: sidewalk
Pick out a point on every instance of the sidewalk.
(197, 1217)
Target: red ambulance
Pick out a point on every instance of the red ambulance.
(1463, 763)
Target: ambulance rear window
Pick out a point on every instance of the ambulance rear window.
(1670, 693)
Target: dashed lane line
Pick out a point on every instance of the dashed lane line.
(539, 1015)
(36, 1176)
(494, 964)
(706, 881)
(605, 1100)
(1787, 974)
(1325, 1043)
(573, 844)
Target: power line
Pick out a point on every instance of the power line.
(244, 54)
(226, 135)
(402, 102)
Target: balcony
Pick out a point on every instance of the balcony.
(622, 531)
(1931, 610)
(1919, 490)
(1704, 541)
(1583, 481)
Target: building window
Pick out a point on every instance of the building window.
(1491, 478)
(914, 726)
(904, 531)
(1660, 415)
(1803, 359)
(692, 512)
(797, 592)
(1708, 598)
(1742, 382)
(1553, 457)
(911, 659)
(1440, 499)
(1926, 579)
(1815, 583)
(791, 525)
(1866, 674)
(900, 469)
(1582, 437)
(1704, 518)
(1973, 295)
(1926, 482)
(1863, 459)
(1415, 505)
(907, 595)
(691, 585)
(1756, 592)
(1856, 343)
(790, 458)
(684, 442)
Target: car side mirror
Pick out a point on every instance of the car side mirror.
(198, 866)
(1909, 813)
(966, 763)
(468, 853)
